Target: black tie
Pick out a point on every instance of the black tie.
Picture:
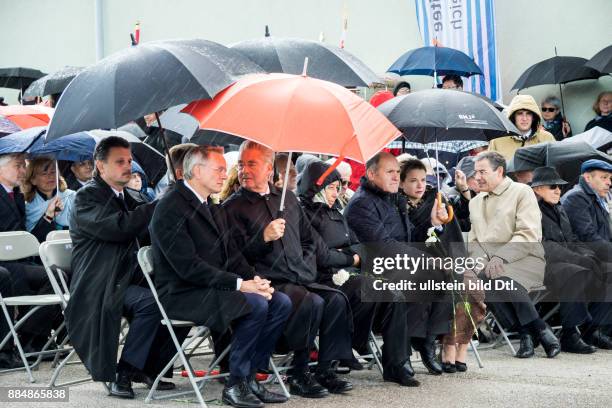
(122, 201)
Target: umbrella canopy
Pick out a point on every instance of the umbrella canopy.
(21, 141)
(144, 79)
(291, 113)
(435, 61)
(17, 117)
(326, 62)
(598, 137)
(53, 83)
(451, 146)
(445, 115)
(80, 146)
(565, 157)
(18, 77)
(602, 61)
(556, 70)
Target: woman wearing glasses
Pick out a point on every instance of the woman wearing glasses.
(552, 120)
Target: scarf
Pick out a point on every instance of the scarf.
(524, 137)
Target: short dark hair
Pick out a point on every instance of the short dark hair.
(495, 159)
(103, 147)
(372, 164)
(408, 165)
(399, 86)
(455, 78)
(177, 154)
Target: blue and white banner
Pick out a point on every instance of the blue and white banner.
(468, 26)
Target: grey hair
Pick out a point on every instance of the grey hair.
(495, 159)
(197, 155)
(552, 100)
(373, 163)
(6, 158)
(266, 152)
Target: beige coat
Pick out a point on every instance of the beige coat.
(507, 223)
(507, 146)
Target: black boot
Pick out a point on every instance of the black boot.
(327, 377)
(122, 387)
(403, 374)
(305, 385)
(139, 376)
(571, 342)
(239, 394)
(264, 395)
(526, 348)
(550, 342)
(10, 359)
(427, 350)
(598, 339)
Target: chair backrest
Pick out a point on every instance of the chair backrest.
(16, 245)
(145, 259)
(56, 256)
(58, 234)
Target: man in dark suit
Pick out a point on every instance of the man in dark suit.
(107, 229)
(26, 278)
(282, 249)
(196, 281)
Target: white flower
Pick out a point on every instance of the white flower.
(432, 239)
(340, 277)
(431, 231)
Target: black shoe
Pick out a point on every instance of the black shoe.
(526, 348)
(305, 385)
(402, 374)
(240, 395)
(140, 377)
(573, 343)
(264, 395)
(550, 342)
(428, 357)
(599, 340)
(10, 359)
(122, 387)
(334, 384)
(461, 367)
(351, 364)
(449, 368)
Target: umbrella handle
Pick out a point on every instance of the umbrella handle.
(449, 209)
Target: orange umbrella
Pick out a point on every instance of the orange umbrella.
(295, 113)
(27, 116)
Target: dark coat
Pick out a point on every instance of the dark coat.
(603, 122)
(190, 253)
(12, 216)
(378, 216)
(589, 220)
(555, 127)
(461, 205)
(71, 181)
(105, 239)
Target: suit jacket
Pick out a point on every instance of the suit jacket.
(12, 216)
(193, 275)
(507, 223)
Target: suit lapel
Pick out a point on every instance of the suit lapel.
(12, 204)
(201, 208)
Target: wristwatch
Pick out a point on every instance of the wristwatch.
(49, 219)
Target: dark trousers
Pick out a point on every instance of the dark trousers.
(148, 346)
(511, 308)
(255, 335)
(30, 279)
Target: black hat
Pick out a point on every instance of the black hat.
(546, 176)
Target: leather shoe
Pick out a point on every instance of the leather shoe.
(240, 395)
(449, 368)
(599, 340)
(122, 387)
(403, 374)
(550, 342)
(351, 364)
(140, 377)
(428, 357)
(264, 395)
(9, 359)
(526, 348)
(305, 385)
(334, 384)
(573, 343)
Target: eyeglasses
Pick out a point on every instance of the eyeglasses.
(549, 109)
(555, 186)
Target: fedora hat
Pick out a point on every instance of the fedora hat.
(546, 176)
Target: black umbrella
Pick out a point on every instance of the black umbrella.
(565, 157)
(325, 61)
(444, 115)
(602, 61)
(53, 83)
(556, 70)
(144, 79)
(18, 77)
(188, 127)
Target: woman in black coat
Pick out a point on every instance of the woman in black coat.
(573, 272)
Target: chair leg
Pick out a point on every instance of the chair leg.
(9, 321)
(505, 335)
(376, 352)
(279, 378)
(476, 354)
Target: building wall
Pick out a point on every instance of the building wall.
(48, 34)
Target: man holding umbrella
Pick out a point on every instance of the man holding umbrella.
(281, 249)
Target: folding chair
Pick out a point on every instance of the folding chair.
(146, 264)
(15, 246)
(58, 234)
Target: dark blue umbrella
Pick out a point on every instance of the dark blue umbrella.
(20, 142)
(434, 61)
